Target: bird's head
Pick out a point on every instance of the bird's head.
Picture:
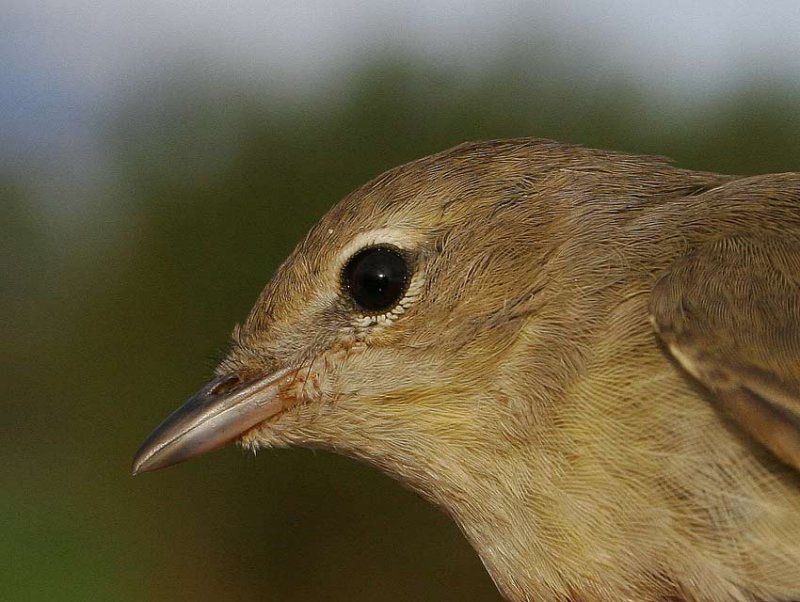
(415, 325)
(432, 320)
(386, 333)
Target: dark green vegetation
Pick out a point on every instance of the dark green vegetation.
(111, 321)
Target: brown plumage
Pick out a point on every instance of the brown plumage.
(590, 360)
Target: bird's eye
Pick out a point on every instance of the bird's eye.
(376, 278)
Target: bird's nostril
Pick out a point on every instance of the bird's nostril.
(226, 384)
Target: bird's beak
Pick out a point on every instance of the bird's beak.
(216, 415)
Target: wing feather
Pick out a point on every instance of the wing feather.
(729, 312)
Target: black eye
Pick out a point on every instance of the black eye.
(376, 278)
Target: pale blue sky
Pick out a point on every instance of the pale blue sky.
(100, 43)
(64, 62)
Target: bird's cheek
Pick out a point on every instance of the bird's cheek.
(307, 398)
(320, 380)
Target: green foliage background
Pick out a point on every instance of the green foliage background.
(116, 316)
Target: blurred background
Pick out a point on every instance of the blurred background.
(158, 160)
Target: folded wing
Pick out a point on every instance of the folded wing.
(729, 312)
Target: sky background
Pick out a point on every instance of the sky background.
(67, 64)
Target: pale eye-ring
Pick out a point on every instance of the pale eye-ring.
(376, 278)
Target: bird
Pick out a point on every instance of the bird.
(589, 359)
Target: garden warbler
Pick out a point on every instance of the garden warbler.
(590, 360)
